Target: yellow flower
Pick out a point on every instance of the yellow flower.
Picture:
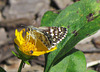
(28, 46)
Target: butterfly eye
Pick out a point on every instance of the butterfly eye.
(28, 29)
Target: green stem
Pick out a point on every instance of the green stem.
(21, 66)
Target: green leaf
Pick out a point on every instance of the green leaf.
(74, 61)
(91, 71)
(27, 62)
(2, 70)
(48, 18)
(81, 19)
(14, 53)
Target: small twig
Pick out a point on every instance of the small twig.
(93, 63)
(94, 50)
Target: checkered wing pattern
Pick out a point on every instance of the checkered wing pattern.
(49, 36)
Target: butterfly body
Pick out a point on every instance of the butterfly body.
(49, 36)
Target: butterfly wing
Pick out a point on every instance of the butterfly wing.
(44, 38)
(54, 34)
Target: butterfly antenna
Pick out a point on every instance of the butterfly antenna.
(23, 26)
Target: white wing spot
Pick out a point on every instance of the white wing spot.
(61, 32)
(56, 32)
(52, 34)
(51, 30)
(56, 36)
(47, 32)
(63, 37)
(58, 41)
(59, 29)
(54, 43)
(54, 39)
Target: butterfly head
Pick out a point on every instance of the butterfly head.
(31, 28)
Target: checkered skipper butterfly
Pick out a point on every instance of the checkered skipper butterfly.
(49, 36)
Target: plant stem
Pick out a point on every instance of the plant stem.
(21, 66)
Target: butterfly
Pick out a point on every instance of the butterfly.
(49, 36)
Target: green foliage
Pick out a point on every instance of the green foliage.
(14, 53)
(91, 71)
(2, 70)
(81, 19)
(73, 61)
